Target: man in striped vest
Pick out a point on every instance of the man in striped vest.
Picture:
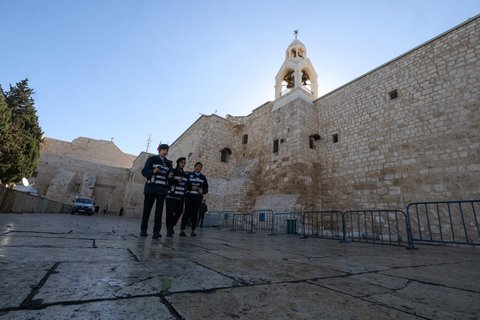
(197, 186)
(174, 201)
(157, 170)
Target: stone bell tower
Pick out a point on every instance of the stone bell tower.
(296, 72)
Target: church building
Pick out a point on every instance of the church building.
(406, 131)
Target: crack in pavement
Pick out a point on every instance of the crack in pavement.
(28, 302)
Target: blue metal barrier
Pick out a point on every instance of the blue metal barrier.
(226, 218)
(445, 221)
(241, 221)
(377, 226)
(261, 220)
(323, 224)
(287, 223)
(211, 219)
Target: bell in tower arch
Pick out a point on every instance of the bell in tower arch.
(289, 79)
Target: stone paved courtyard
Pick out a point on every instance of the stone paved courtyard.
(60, 266)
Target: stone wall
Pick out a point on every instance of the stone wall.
(85, 167)
(133, 198)
(21, 202)
(423, 145)
(57, 177)
(92, 150)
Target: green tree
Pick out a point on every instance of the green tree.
(5, 133)
(21, 150)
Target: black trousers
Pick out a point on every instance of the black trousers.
(150, 199)
(191, 213)
(174, 209)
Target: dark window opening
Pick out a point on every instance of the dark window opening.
(275, 146)
(312, 139)
(189, 155)
(282, 140)
(393, 94)
(76, 188)
(335, 138)
(34, 174)
(245, 139)
(225, 155)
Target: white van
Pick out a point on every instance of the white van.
(83, 205)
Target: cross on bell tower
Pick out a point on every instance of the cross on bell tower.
(296, 71)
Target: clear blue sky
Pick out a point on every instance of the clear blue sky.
(127, 69)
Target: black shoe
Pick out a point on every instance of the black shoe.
(156, 236)
(143, 234)
(182, 234)
(169, 232)
(193, 234)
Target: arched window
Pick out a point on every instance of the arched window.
(225, 155)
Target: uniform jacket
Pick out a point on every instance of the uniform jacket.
(178, 184)
(197, 186)
(157, 183)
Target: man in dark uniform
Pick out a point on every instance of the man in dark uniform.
(157, 170)
(197, 186)
(174, 200)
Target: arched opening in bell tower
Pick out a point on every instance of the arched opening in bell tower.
(288, 81)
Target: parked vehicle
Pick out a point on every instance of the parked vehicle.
(83, 205)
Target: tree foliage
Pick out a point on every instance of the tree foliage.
(20, 133)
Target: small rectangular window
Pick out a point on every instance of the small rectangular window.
(335, 138)
(245, 139)
(76, 188)
(275, 146)
(393, 94)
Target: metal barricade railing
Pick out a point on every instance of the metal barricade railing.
(323, 224)
(226, 219)
(261, 220)
(211, 219)
(287, 223)
(241, 221)
(445, 222)
(377, 226)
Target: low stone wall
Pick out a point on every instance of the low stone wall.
(21, 202)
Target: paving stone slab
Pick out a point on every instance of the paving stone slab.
(451, 274)
(363, 285)
(45, 240)
(266, 270)
(122, 309)
(20, 255)
(432, 301)
(17, 281)
(279, 301)
(367, 260)
(99, 280)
